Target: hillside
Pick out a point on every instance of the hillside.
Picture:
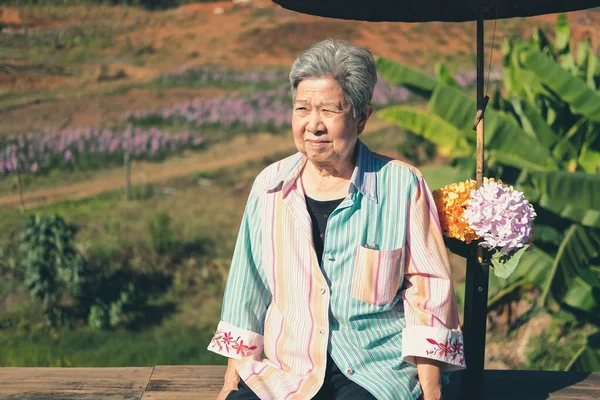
(72, 67)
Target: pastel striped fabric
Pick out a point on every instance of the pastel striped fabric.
(383, 296)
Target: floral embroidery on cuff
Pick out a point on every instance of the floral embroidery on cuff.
(447, 349)
(225, 339)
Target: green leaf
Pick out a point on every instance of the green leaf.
(569, 88)
(533, 269)
(502, 134)
(534, 266)
(439, 176)
(590, 161)
(449, 140)
(517, 108)
(567, 148)
(563, 33)
(542, 42)
(519, 81)
(589, 157)
(504, 266)
(587, 359)
(572, 195)
(444, 75)
(533, 122)
(548, 234)
(584, 291)
(399, 74)
(579, 246)
(587, 63)
(514, 160)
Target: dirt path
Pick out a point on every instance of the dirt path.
(239, 150)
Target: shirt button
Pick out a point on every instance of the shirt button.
(350, 372)
(322, 331)
(322, 290)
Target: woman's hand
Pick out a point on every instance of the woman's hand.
(429, 375)
(232, 380)
(225, 391)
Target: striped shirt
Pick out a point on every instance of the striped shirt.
(382, 297)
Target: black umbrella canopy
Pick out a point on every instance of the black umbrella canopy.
(432, 10)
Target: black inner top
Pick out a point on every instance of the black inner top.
(319, 212)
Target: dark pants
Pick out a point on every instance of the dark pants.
(335, 387)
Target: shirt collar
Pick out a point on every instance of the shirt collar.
(364, 177)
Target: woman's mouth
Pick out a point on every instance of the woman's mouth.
(317, 143)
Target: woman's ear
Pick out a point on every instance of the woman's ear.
(364, 117)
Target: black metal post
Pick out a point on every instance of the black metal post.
(474, 329)
(476, 288)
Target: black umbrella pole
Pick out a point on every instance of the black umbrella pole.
(476, 289)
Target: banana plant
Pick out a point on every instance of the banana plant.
(543, 137)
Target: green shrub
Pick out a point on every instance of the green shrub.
(162, 238)
(52, 267)
(71, 288)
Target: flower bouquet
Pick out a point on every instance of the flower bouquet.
(495, 216)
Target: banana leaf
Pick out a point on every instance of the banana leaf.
(575, 196)
(563, 45)
(584, 292)
(577, 249)
(444, 75)
(502, 134)
(587, 63)
(398, 74)
(589, 157)
(449, 140)
(569, 145)
(544, 45)
(587, 359)
(519, 81)
(563, 33)
(590, 161)
(441, 175)
(548, 234)
(569, 88)
(533, 123)
(521, 119)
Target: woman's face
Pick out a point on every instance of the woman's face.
(322, 123)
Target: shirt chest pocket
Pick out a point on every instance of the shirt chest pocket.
(377, 275)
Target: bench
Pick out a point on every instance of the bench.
(199, 382)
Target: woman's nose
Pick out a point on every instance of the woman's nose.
(315, 123)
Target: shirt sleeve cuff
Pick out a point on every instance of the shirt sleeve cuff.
(439, 344)
(233, 342)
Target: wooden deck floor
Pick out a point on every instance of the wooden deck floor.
(204, 382)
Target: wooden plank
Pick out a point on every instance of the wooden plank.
(185, 382)
(533, 385)
(199, 382)
(73, 383)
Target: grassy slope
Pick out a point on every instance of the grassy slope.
(204, 206)
(67, 59)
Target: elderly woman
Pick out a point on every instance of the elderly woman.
(340, 285)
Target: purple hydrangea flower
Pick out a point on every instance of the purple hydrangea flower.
(501, 216)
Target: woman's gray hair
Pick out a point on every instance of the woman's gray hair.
(352, 67)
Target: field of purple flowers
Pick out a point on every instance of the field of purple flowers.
(260, 101)
(90, 148)
(266, 109)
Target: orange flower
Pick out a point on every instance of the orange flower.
(451, 202)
